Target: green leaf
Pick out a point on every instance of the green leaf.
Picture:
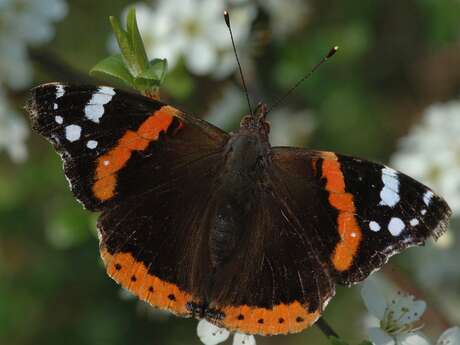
(137, 45)
(156, 70)
(113, 66)
(123, 42)
(365, 342)
(132, 65)
(337, 341)
(143, 85)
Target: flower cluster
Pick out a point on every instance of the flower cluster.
(194, 30)
(22, 23)
(13, 131)
(395, 318)
(430, 152)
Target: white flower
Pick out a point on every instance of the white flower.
(450, 337)
(285, 16)
(431, 151)
(244, 339)
(210, 334)
(396, 314)
(431, 154)
(13, 131)
(15, 68)
(195, 31)
(23, 23)
(290, 128)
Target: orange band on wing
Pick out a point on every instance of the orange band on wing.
(281, 319)
(349, 230)
(134, 276)
(114, 160)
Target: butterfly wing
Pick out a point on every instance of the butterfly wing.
(98, 130)
(323, 219)
(365, 212)
(151, 243)
(146, 166)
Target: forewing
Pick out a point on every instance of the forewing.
(98, 130)
(362, 212)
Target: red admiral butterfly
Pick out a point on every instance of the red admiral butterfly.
(223, 226)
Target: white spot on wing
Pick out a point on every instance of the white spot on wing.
(396, 226)
(91, 144)
(72, 132)
(55, 106)
(427, 197)
(414, 222)
(389, 195)
(374, 226)
(107, 90)
(59, 91)
(59, 119)
(423, 212)
(94, 109)
(106, 163)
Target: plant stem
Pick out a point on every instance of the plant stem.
(325, 328)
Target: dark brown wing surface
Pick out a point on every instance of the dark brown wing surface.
(147, 167)
(323, 219)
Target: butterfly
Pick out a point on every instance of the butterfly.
(223, 226)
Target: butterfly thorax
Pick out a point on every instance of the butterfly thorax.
(247, 156)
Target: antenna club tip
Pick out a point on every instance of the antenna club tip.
(227, 18)
(332, 52)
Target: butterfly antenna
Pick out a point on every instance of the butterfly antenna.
(227, 21)
(288, 93)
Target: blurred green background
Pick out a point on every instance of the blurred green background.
(396, 59)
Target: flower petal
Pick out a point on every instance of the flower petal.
(450, 337)
(244, 339)
(380, 337)
(210, 334)
(412, 339)
(373, 299)
(405, 309)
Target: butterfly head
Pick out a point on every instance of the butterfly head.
(256, 121)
